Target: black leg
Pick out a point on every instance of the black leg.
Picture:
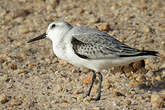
(91, 85)
(99, 88)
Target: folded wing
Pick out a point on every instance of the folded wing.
(98, 45)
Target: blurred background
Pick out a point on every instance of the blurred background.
(32, 77)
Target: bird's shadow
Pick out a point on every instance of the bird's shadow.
(158, 85)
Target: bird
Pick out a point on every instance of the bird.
(90, 48)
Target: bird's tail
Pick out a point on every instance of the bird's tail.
(143, 53)
(149, 53)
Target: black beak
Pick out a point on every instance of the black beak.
(42, 36)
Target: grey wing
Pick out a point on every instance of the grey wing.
(98, 45)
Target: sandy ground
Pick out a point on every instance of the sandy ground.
(33, 78)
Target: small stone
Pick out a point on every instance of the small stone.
(138, 65)
(62, 62)
(141, 78)
(104, 27)
(80, 99)
(8, 18)
(49, 8)
(148, 61)
(87, 99)
(16, 102)
(38, 1)
(163, 66)
(87, 80)
(31, 66)
(21, 71)
(146, 29)
(144, 7)
(162, 15)
(20, 13)
(3, 12)
(76, 92)
(118, 94)
(157, 101)
(19, 19)
(28, 21)
(155, 67)
(128, 68)
(58, 88)
(96, 108)
(127, 102)
(4, 98)
(163, 94)
(94, 20)
(73, 70)
(134, 83)
(84, 70)
(54, 2)
(54, 102)
(106, 84)
(158, 78)
(118, 69)
(13, 67)
(4, 77)
(64, 101)
(22, 29)
(94, 90)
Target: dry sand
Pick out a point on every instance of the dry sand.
(33, 78)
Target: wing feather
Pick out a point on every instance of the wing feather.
(99, 45)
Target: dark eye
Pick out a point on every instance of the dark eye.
(53, 26)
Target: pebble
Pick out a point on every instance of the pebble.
(19, 19)
(133, 83)
(84, 70)
(97, 108)
(141, 78)
(31, 66)
(87, 80)
(77, 92)
(63, 101)
(163, 66)
(162, 15)
(3, 12)
(15, 102)
(149, 61)
(87, 99)
(157, 100)
(3, 77)
(104, 27)
(94, 20)
(127, 102)
(162, 93)
(62, 62)
(58, 88)
(49, 8)
(22, 29)
(13, 67)
(54, 3)
(138, 65)
(127, 68)
(19, 13)
(158, 78)
(80, 98)
(146, 29)
(8, 18)
(118, 94)
(107, 84)
(4, 98)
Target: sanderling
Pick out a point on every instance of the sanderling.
(90, 48)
